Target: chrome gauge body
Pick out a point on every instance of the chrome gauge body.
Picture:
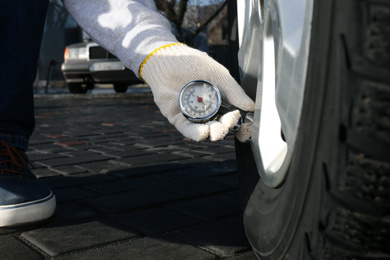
(200, 101)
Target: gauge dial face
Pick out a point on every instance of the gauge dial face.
(199, 100)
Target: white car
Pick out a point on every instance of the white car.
(88, 63)
(316, 175)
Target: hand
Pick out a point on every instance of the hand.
(171, 67)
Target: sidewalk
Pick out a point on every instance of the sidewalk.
(128, 186)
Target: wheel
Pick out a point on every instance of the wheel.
(315, 177)
(77, 88)
(120, 88)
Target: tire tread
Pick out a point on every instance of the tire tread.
(359, 220)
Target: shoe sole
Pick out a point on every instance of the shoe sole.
(30, 212)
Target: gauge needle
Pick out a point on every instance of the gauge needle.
(200, 100)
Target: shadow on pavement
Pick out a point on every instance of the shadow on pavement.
(186, 211)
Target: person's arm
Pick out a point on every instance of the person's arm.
(130, 29)
(141, 38)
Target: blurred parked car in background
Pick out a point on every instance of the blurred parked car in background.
(86, 64)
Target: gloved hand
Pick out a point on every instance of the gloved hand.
(171, 67)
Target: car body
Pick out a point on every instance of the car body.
(311, 177)
(88, 63)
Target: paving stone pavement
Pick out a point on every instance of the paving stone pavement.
(128, 186)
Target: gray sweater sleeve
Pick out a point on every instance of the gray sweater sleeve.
(130, 29)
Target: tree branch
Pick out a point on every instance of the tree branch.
(204, 25)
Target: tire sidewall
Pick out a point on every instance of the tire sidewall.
(275, 219)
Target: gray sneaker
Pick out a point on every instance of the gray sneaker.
(23, 198)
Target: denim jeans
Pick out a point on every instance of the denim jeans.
(21, 27)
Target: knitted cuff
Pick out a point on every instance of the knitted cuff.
(151, 54)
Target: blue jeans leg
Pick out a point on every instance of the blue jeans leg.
(21, 27)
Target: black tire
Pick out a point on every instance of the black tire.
(120, 88)
(335, 201)
(77, 88)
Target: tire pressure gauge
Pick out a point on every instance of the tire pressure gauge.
(201, 101)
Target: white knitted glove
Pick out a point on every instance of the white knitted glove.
(171, 67)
